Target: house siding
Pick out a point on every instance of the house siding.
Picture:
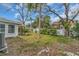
(6, 30)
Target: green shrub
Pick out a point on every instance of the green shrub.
(26, 30)
(44, 31)
(52, 31)
(48, 31)
(76, 30)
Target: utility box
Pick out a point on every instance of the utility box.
(2, 40)
(3, 45)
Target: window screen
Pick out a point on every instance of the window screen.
(2, 27)
(11, 29)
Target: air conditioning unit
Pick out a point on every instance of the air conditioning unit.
(3, 45)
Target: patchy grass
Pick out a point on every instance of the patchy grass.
(29, 44)
(45, 39)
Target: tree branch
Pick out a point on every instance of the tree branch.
(75, 15)
(66, 6)
(54, 12)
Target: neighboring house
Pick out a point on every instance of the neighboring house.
(61, 31)
(8, 27)
(56, 25)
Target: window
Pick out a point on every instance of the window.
(11, 29)
(2, 27)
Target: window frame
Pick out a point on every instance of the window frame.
(2, 28)
(10, 29)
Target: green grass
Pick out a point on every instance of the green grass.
(45, 40)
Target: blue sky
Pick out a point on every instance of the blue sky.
(5, 13)
(11, 14)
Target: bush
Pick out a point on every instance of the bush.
(52, 31)
(44, 31)
(48, 31)
(76, 30)
(26, 30)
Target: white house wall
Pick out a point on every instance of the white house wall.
(10, 34)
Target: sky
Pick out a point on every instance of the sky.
(12, 14)
(5, 13)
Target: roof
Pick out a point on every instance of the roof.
(9, 21)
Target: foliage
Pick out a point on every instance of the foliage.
(46, 22)
(35, 23)
(26, 30)
(76, 29)
(44, 31)
(22, 30)
(52, 31)
(48, 31)
(66, 25)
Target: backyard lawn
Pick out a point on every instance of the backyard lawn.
(47, 45)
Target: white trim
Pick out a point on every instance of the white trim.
(10, 34)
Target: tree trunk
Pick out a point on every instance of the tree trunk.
(23, 28)
(67, 33)
(39, 21)
(30, 25)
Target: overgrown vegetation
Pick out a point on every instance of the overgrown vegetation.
(29, 44)
(48, 31)
(76, 30)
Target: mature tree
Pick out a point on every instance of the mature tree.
(22, 12)
(19, 9)
(30, 10)
(67, 17)
(38, 7)
(45, 23)
(22, 15)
